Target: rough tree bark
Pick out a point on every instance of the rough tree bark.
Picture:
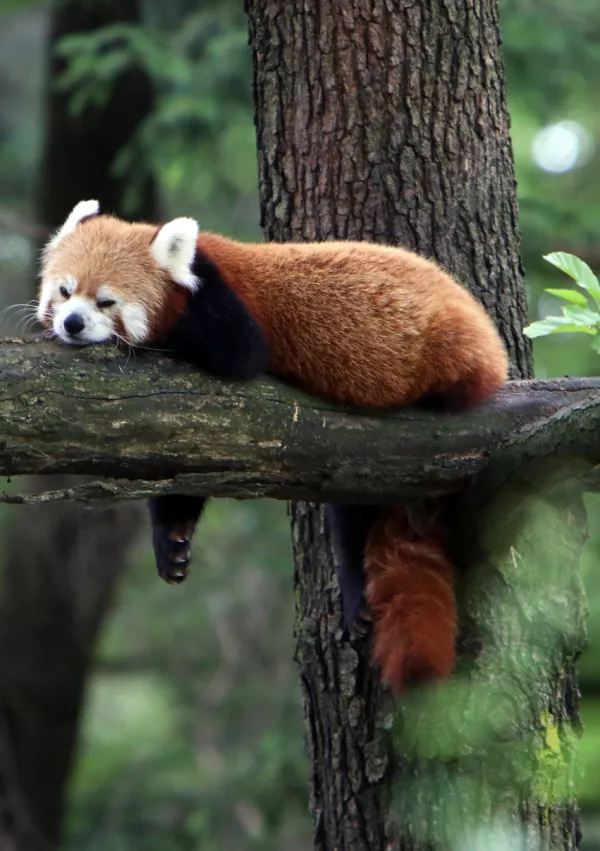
(58, 582)
(156, 425)
(387, 121)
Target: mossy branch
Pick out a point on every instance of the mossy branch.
(146, 424)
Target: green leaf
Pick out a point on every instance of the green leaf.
(581, 315)
(576, 269)
(595, 344)
(570, 295)
(556, 325)
(575, 329)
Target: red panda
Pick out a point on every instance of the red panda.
(358, 323)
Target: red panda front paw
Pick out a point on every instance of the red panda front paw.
(173, 518)
(172, 550)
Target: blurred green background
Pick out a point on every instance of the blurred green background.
(192, 734)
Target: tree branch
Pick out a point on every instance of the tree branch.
(146, 424)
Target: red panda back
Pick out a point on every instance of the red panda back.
(376, 326)
(364, 324)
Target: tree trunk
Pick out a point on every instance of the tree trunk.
(63, 562)
(57, 586)
(388, 122)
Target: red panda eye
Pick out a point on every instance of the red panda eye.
(64, 292)
(105, 302)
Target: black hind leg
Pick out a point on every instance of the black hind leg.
(174, 519)
(350, 526)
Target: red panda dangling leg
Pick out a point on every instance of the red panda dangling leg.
(349, 527)
(410, 594)
(174, 518)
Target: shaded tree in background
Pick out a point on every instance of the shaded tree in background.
(62, 562)
(198, 138)
(393, 127)
(82, 144)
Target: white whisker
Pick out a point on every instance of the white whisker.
(130, 349)
(25, 310)
(151, 348)
(24, 317)
(19, 308)
(25, 324)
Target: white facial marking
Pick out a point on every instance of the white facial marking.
(46, 291)
(51, 290)
(135, 320)
(105, 293)
(174, 249)
(78, 322)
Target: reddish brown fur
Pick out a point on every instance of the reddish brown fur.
(171, 310)
(364, 324)
(410, 593)
(391, 326)
(104, 251)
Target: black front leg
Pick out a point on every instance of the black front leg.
(217, 331)
(174, 518)
(349, 527)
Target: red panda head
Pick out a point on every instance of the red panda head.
(107, 279)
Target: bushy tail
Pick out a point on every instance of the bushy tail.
(410, 594)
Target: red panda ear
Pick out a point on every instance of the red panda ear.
(80, 211)
(174, 249)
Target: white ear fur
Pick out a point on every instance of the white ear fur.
(174, 249)
(80, 211)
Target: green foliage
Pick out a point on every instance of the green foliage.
(521, 595)
(550, 48)
(576, 269)
(207, 668)
(200, 141)
(577, 317)
(193, 732)
(95, 60)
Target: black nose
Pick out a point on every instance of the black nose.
(74, 323)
